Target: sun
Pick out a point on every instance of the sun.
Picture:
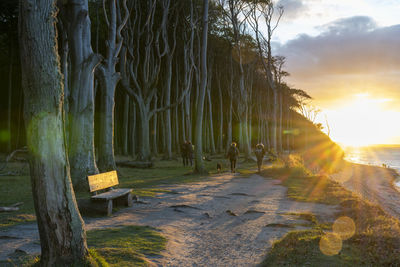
(363, 121)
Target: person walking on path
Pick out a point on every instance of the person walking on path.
(189, 152)
(184, 153)
(260, 152)
(233, 154)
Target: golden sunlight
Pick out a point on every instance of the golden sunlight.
(363, 121)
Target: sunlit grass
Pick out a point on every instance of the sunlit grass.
(376, 239)
(118, 246)
(125, 245)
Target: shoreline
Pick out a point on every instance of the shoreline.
(373, 183)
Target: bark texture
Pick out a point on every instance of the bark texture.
(199, 166)
(76, 22)
(108, 81)
(61, 229)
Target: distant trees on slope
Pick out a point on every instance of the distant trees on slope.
(132, 76)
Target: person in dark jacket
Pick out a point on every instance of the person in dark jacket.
(184, 153)
(260, 152)
(233, 154)
(189, 152)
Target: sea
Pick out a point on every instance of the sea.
(379, 155)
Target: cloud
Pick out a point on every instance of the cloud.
(292, 8)
(347, 46)
(356, 24)
(348, 54)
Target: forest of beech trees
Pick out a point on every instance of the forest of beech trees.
(88, 80)
(139, 75)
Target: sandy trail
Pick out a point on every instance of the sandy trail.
(219, 222)
(372, 183)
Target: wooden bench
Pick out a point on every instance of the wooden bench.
(106, 181)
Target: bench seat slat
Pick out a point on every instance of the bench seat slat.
(112, 194)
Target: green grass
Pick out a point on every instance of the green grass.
(376, 241)
(167, 172)
(301, 248)
(21, 259)
(308, 188)
(15, 189)
(125, 245)
(119, 246)
(145, 182)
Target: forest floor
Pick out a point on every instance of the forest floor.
(225, 219)
(230, 219)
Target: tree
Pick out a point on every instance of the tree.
(83, 62)
(233, 11)
(199, 166)
(108, 82)
(8, 25)
(146, 48)
(61, 229)
(266, 9)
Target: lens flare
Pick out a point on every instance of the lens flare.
(344, 227)
(330, 244)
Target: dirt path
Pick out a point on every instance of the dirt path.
(372, 183)
(219, 222)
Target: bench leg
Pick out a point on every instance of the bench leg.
(128, 200)
(109, 207)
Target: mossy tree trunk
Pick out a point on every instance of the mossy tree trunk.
(61, 229)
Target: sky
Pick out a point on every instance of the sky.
(346, 55)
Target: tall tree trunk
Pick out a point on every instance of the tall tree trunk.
(211, 127)
(184, 134)
(188, 119)
(229, 126)
(221, 118)
(241, 143)
(199, 165)
(81, 152)
(144, 144)
(109, 79)
(154, 136)
(61, 228)
(10, 85)
(243, 115)
(250, 126)
(176, 118)
(106, 161)
(132, 122)
(167, 114)
(280, 121)
(125, 126)
(275, 119)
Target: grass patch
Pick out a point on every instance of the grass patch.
(376, 241)
(15, 189)
(119, 246)
(301, 248)
(167, 172)
(125, 246)
(304, 187)
(145, 182)
(21, 259)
